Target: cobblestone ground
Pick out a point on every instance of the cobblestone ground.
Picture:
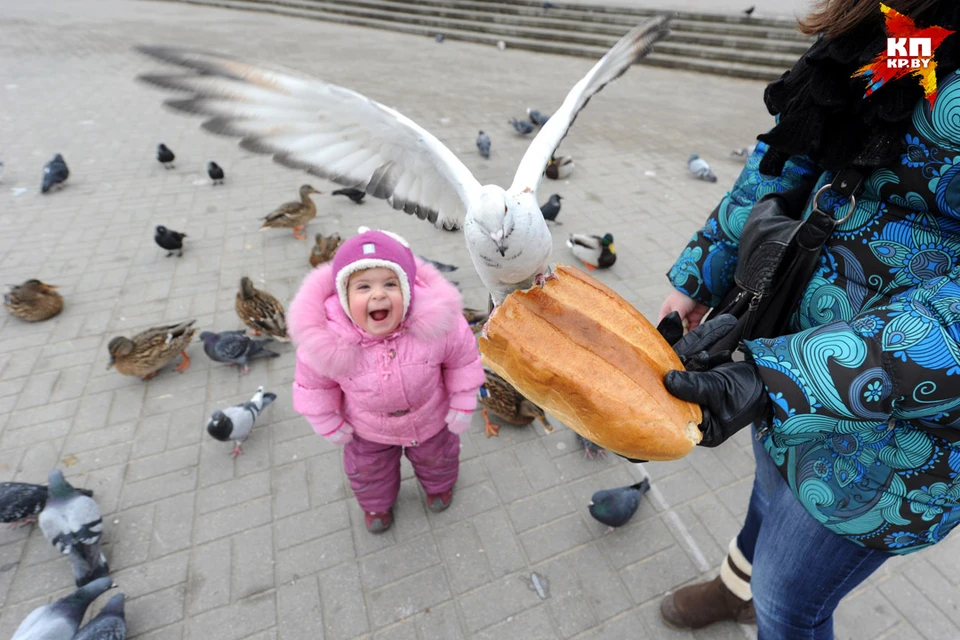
(272, 545)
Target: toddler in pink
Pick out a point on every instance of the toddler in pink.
(386, 364)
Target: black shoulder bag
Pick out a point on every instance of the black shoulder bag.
(777, 256)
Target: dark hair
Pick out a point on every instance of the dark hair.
(836, 17)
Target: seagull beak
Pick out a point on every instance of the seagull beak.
(502, 249)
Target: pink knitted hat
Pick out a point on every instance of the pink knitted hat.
(371, 249)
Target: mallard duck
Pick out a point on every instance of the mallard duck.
(33, 301)
(504, 401)
(261, 311)
(293, 214)
(146, 353)
(559, 168)
(594, 251)
(325, 248)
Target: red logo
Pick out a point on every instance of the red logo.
(910, 51)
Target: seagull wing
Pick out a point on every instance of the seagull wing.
(326, 130)
(636, 44)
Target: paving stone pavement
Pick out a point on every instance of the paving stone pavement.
(272, 545)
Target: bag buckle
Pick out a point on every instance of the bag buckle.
(847, 182)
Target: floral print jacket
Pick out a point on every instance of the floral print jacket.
(866, 390)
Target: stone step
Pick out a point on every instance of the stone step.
(701, 64)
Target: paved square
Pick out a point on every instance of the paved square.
(273, 545)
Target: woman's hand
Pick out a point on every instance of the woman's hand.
(691, 311)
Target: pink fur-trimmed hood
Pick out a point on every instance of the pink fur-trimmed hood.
(328, 341)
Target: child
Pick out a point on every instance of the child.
(385, 363)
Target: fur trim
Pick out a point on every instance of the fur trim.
(328, 341)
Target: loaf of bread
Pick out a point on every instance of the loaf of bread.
(581, 352)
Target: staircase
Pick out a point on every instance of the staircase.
(731, 45)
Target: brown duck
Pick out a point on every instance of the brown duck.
(33, 301)
(325, 248)
(146, 353)
(293, 214)
(261, 311)
(500, 398)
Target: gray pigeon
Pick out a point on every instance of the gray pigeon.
(522, 126)
(72, 523)
(234, 423)
(235, 348)
(591, 449)
(536, 117)
(744, 152)
(699, 167)
(615, 507)
(483, 144)
(108, 625)
(165, 156)
(21, 502)
(551, 209)
(59, 620)
(55, 173)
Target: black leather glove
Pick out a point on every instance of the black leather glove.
(731, 396)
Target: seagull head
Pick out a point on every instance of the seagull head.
(495, 217)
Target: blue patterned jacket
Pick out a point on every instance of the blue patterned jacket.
(866, 388)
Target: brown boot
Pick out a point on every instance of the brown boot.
(726, 597)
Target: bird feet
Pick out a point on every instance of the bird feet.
(184, 365)
(490, 429)
(237, 451)
(150, 375)
(589, 266)
(298, 233)
(245, 370)
(542, 279)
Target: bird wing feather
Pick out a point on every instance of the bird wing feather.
(636, 44)
(324, 129)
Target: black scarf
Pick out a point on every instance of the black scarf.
(823, 114)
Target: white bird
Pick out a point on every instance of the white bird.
(338, 134)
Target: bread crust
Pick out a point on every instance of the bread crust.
(581, 352)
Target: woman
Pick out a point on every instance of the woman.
(858, 455)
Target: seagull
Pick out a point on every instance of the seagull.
(343, 136)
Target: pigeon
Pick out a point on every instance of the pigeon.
(536, 117)
(109, 623)
(595, 252)
(615, 507)
(744, 152)
(234, 423)
(170, 240)
(699, 167)
(559, 168)
(1, 167)
(439, 266)
(548, 5)
(439, 37)
(340, 135)
(235, 348)
(21, 502)
(483, 144)
(59, 620)
(354, 194)
(55, 173)
(552, 208)
(749, 10)
(521, 126)
(591, 449)
(165, 156)
(71, 522)
(215, 172)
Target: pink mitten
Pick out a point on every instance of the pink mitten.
(341, 436)
(458, 421)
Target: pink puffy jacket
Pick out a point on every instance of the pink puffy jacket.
(396, 389)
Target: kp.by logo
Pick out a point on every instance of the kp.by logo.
(910, 51)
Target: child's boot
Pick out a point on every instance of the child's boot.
(438, 502)
(378, 521)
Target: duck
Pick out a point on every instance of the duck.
(559, 168)
(33, 301)
(261, 311)
(594, 251)
(501, 398)
(293, 214)
(476, 319)
(325, 248)
(146, 353)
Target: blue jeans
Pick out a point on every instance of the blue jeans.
(801, 569)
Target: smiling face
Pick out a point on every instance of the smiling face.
(375, 300)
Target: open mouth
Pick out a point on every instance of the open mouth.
(379, 315)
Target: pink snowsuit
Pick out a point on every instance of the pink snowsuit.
(394, 390)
